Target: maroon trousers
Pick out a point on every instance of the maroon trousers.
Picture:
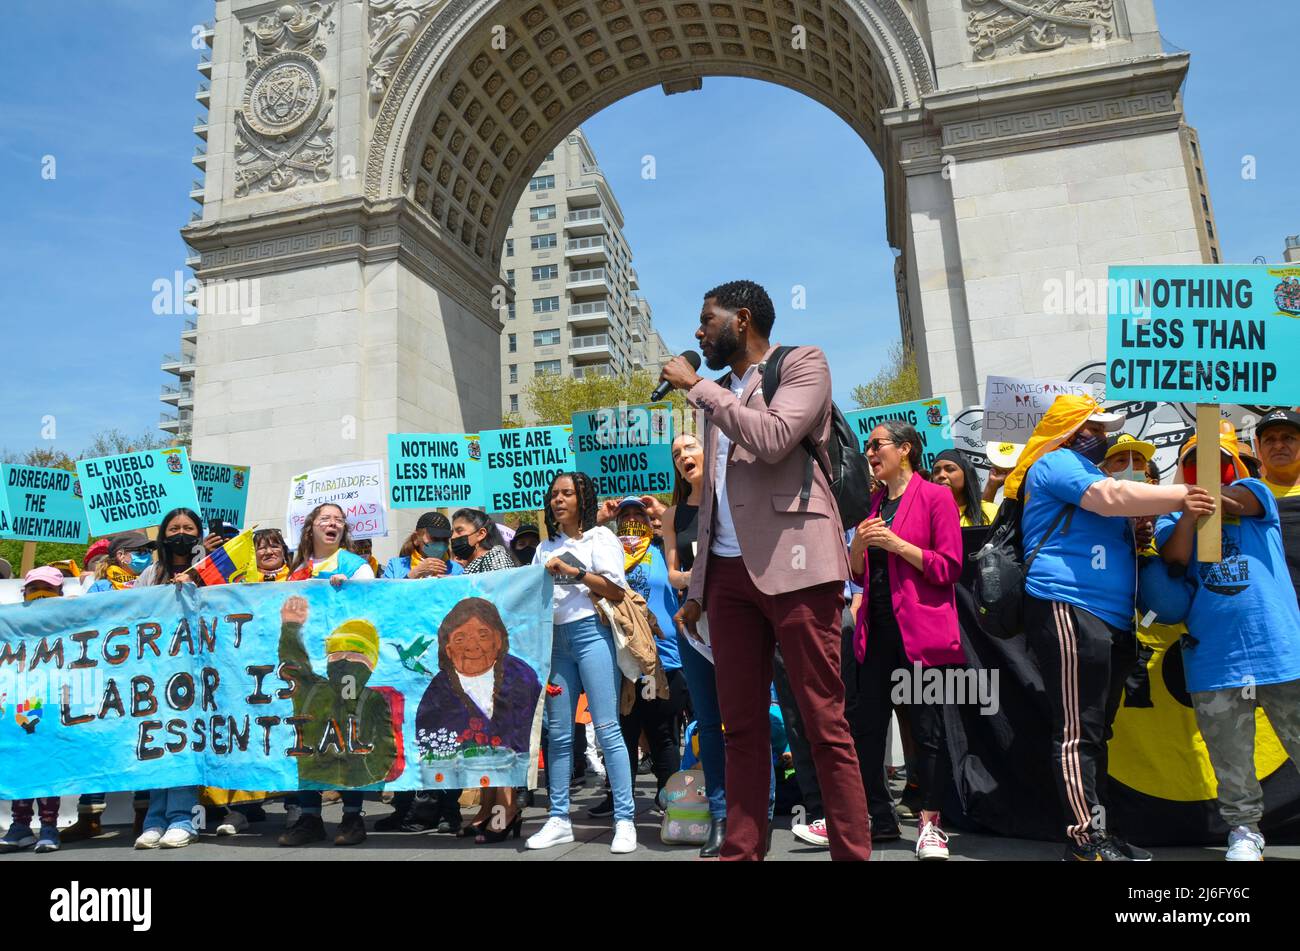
(745, 626)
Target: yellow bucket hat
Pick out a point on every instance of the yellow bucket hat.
(1067, 413)
(355, 636)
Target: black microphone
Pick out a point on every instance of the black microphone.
(691, 357)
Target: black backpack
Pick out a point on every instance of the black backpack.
(849, 475)
(1001, 569)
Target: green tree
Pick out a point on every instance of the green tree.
(554, 399)
(896, 381)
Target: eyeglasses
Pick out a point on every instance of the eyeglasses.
(331, 521)
(875, 444)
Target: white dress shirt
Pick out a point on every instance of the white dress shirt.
(725, 542)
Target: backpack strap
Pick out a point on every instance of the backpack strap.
(772, 380)
(1066, 513)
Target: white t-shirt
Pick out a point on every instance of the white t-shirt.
(600, 551)
(479, 689)
(725, 542)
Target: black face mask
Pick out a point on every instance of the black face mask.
(462, 547)
(1092, 448)
(177, 545)
(525, 554)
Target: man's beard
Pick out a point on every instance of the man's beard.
(724, 348)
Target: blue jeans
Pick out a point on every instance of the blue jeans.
(172, 808)
(310, 800)
(583, 658)
(708, 723)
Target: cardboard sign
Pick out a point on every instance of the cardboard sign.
(135, 489)
(519, 465)
(626, 450)
(1014, 406)
(222, 491)
(41, 505)
(930, 417)
(356, 487)
(428, 471)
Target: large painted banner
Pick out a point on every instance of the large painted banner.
(135, 489)
(299, 685)
(520, 464)
(356, 487)
(41, 505)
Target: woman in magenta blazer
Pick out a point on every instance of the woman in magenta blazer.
(907, 555)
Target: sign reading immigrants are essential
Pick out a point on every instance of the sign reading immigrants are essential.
(222, 491)
(135, 489)
(626, 450)
(41, 505)
(277, 686)
(519, 465)
(434, 471)
(929, 417)
(1014, 406)
(355, 487)
(1204, 334)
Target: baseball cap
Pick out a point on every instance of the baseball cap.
(1112, 421)
(100, 547)
(1123, 442)
(1278, 417)
(528, 529)
(435, 523)
(130, 541)
(1004, 455)
(630, 502)
(47, 574)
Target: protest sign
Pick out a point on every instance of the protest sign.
(519, 465)
(135, 489)
(355, 487)
(222, 491)
(1014, 406)
(930, 417)
(627, 450)
(41, 505)
(1204, 334)
(434, 471)
(276, 686)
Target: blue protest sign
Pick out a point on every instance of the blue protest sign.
(519, 464)
(222, 491)
(135, 489)
(930, 417)
(1204, 334)
(41, 505)
(626, 450)
(434, 470)
(294, 685)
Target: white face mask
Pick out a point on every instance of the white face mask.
(1131, 475)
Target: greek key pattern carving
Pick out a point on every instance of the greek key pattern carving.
(1058, 118)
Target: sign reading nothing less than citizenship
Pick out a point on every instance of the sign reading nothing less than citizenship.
(930, 417)
(1204, 334)
(519, 465)
(41, 505)
(626, 450)
(434, 470)
(135, 489)
(222, 491)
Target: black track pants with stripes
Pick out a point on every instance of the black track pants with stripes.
(1084, 662)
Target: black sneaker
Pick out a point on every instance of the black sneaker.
(604, 810)
(1135, 853)
(645, 767)
(885, 833)
(308, 829)
(1099, 848)
(393, 822)
(352, 830)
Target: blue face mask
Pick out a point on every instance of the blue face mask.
(140, 560)
(435, 549)
(1092, 448)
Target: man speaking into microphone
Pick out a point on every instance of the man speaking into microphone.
(771, 567)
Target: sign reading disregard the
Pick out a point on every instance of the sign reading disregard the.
(355, 487)
(930, 417)
(1204, 334)
(520, 464)
(1013, 407)
(434, 471)
(135, 489)
(277, 686)
(627, 450)
(222, 491)
(41, 505)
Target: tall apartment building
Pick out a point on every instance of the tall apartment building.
(1207, 235)
(575, 310)
(1292, 253)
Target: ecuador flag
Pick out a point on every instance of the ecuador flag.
(231, 563)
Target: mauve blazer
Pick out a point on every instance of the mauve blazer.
(924, 600)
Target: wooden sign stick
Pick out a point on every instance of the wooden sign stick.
(29, 558)
(1209, 530)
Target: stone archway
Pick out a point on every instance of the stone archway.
(363, 160)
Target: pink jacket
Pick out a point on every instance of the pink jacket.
(924, 602)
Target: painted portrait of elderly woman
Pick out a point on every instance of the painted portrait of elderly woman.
(482, 695)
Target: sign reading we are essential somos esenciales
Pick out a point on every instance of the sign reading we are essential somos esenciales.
(222, 491)
(434, 470)
(929, 417)
(519, 465)
(1204, 334)
(135, 489)
(626, 450)
(41, 505)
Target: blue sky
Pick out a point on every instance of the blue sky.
(752, 181)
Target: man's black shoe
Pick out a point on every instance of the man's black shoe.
(604, 810)
(352, 830)
(1098, 848)
(1135, 853)
(308, 829)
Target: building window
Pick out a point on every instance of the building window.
(542, 213)
(550, 156)
(541, 183)
(1209, 228)
(510, 247)
(1200, 179)
(1205, 204)
(546, 305)
(546, 338)
(1195, 150)
(1214, 255)
(510, 277)
(546, 272)
(512, 345)
(514, 373)
(510, 310)
(540, 242)
(543, 367)
(514, 402)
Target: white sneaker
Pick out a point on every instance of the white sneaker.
(291, 816)
(624, 837)
(932, 843)
(149, 839)
(814, 833)
(1245, 846)
(177, 838)
(235, 823)
(557, 831)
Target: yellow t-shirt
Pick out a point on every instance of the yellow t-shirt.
(1282, 491)
(990, 509)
